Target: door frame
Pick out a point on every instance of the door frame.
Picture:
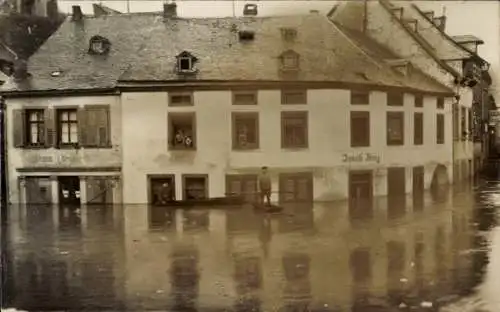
(197, 176)
(242, 178)
(294, 176)
(151, 177)
(59, 190)
(351, 173)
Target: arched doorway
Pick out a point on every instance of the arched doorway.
(440, 182)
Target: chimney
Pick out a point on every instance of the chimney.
(170, 10)
(77, 13)
(440, 22)
(20, 69)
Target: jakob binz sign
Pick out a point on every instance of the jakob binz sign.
(360, 157)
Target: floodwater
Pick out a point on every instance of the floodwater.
(438, 256)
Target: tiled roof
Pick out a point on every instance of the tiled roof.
(144, 46)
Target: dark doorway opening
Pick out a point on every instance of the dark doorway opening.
(396, 191)
(69, 190)
(161, 189)
(418, 188)
(360, 195)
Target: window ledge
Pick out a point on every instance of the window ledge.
(248, 149)
(181, 149)
(34, 147)
(294, 149)
(69, 146)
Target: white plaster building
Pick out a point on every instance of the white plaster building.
(312, 100)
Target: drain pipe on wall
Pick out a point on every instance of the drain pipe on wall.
(3, 162)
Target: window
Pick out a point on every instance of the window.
(289, 60)
(244, 98)
(195, 186)
(440, 129)
(35, 126)
(94, 124)
(99, 45)
(395, 99)
(289, 34)
(419, 101)
(360, 97)
(186, 62)
(181, 99)
(463, 123)
(245, 130)
(296, 187)
(360, 129)
(182, 131)
(294, 132)
(67, 126)
(395, 128)
(418, 128)
(293, 97)
(440, 103)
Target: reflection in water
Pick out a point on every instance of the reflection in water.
(309, 258)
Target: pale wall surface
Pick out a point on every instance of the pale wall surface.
(52, 157)
(145, 151)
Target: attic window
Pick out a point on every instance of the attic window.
(186, 62)
(250, 9)
(99, 45)
(246, 35)
(289, 60)
(289, 34)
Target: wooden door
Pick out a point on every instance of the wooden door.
(396, 191)
(361, 194)
(242, 185)
(296, 187)
(38, 190)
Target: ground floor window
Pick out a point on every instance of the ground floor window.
(161, 189)
(296, 187)
(195, 186)
(244, 185)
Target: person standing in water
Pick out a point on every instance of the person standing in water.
(265, 186)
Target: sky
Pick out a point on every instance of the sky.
(479, 18)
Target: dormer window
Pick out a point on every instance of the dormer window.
(99, 45)
(288, 34)
(186, 62)
(289, 60)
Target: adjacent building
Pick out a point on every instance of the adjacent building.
(137, 108)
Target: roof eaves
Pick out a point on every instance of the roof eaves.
(444, 34)
(440, 62)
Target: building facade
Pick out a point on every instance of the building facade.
(333, 119)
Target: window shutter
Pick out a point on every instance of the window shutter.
(83, 139)
(50, 127)
(103, 127)
(18, 116)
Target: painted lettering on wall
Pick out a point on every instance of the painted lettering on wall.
(361, 157)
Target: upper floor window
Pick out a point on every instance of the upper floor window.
(418, 128)
(360, 129)
(289, 60)
(440, 129)
(440, 103)
(360, 97)
(35, 127)
(245, 130)
(186, 62)
(293, 96)
(244, 98)
(67, 127)
(419, 101)
(294, 132)
(395, 99)
(182, 130)
(180, 99)
(395, 128)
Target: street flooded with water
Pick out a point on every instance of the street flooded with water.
(439, 255)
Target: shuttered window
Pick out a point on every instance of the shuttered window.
(94, 126)
(99, 190)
